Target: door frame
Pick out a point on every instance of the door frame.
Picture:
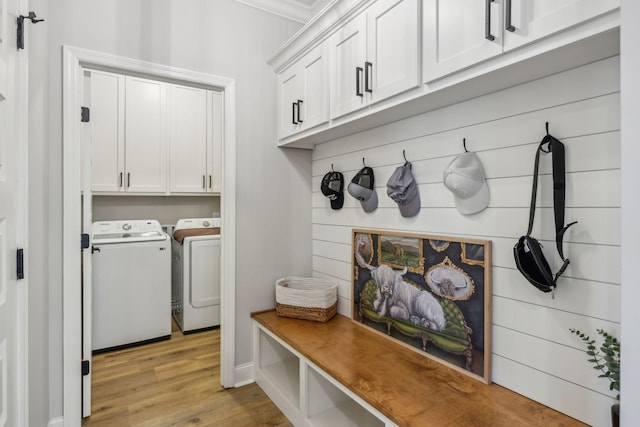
(74, 62)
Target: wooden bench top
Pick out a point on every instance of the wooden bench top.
(408, 388)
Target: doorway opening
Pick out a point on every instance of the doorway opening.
(76, 61)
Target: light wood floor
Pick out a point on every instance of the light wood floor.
(174, 383)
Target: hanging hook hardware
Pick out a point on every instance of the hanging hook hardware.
(332, 170)
(20, 19)
(363, 165)
(546, 125)
(405, 158)
(464, 144)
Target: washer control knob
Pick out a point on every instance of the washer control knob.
(206, 223)
(126, 226)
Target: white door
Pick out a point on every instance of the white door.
(188, 139)
(456, 35)
(348, 50)
(392, 48)
(534, 19)
(13, 211)
(289, 88)
(313, 104)
(107, 131)
(145, 136)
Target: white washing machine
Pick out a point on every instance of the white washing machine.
(196, 273)
(131, 275)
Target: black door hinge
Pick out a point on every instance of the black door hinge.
(20, 264)
(85, 367)
(84, 114)
(84, 241)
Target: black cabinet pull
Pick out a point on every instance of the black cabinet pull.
(487, 21)
(204, 185)
(128, 179)
(293, 113)
(368, 75)
(358, 79)
(120, 185)
(507, 25)
(299, 108)
(209, 181)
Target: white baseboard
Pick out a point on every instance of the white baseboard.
(56, 422)
(244, 374)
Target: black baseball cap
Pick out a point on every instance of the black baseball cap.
(332, 187)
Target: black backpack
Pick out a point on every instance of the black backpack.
(528, 251)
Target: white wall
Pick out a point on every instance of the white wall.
(533, 351)
(219, 37)
(630, 381)
(165, 209)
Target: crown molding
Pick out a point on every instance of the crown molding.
(290, 9)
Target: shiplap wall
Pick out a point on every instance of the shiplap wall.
(533, 352)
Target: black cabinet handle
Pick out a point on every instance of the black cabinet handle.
(120, 185)
(507, 25)
(487, 21)
(368, 75)
(293, 113)
(128, 179)
(358, 80)
(204, 185)
(209, 181)
(299, 108)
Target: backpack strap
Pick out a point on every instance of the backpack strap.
(556, 148)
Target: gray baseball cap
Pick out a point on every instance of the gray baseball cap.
(402, 188)
(465, 178)
(362, 188)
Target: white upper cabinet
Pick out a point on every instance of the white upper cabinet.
(146, 134)
(107, 131)
(128, 134)
(304, 93)
(188, 157)
(459, 34)
(529, 20)
(375, 55)
(215, 135)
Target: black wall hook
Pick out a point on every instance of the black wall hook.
(464, 144)
(405, 158)
(20, 20)
(546, 125)
(363, 165)
(332, 170)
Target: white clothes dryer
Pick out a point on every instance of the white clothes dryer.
(196, 274)
(131, 275)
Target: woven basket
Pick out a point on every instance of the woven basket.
(306, 298)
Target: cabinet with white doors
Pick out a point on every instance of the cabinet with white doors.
(195, 140)
(460, 34)
(375, 55)
(304, 93)
(128, 134)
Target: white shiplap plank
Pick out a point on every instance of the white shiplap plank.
(596, 226)
(570, 122)
(331, 250)
(331, 233)
(332, 268)
(594, 300)
(572, 399)
(344, 286)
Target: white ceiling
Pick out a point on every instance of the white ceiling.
(297, 10)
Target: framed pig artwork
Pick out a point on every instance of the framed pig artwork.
(432, 294)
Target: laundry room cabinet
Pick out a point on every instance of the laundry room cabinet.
(128, 134)
(304, 93)
(460, 34)
(375, 55)
(196, 140)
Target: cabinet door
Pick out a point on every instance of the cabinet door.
(215, 134)
(314, 90)
(145, 136)
(456, 35)
(188, 139)
(348, 49)
(534, 19)
(107, 131)
(392, 48)
(289, 86)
